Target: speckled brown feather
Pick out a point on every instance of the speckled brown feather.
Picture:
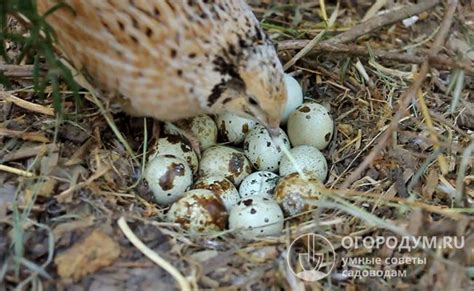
(174, 59)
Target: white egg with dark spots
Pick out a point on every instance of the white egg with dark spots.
(260, 183)
(255, 217)
(232, 127)
(295, 97)
(310, 124)
(293, 192)
(205, 130)
(168, 178)
(225, 161)
(199, 210)
(308, 159)
(202, 127)
(176, 146)
(221, 187)
(263, 152)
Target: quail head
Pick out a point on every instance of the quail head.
(173, 59)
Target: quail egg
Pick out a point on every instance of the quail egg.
(310, 124)
(225, 161)
(202, 127)
(176, 146)
(259, 183)
(308, 159)
(295, 96)
(293, 192)
(199, 210)
(256, 216)
(233, 127)
(263, 152)
(221, 187)
(168, 178)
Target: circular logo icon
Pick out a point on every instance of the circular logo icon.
(311, 257)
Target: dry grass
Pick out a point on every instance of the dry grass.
(65, 177)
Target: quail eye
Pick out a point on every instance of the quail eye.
(253, 101)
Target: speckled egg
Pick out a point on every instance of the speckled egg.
(295, 96)
(310, 124)
(168, 178)
(261, 183)
(263, 152)
(232, 127)
(308, 159)
(202, 127)
(293, 192)
(221, 187)
(178, 147)
(255, 217)
(199, 210)
(225, 161)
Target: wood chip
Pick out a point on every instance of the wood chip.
(32, 136)
(27, 105)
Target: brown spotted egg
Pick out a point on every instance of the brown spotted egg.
(255, 217)
(293, 192)
(261, 183)
(232, 127)
(178, 147)
(199, 210)
(310, 124)
(262, 151)
(307, 159)
(168, 177)
(221, 187)
(225, 161)
(202, 127)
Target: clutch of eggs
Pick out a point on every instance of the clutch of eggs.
(244, 180)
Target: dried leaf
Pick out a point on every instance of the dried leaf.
(98, 250)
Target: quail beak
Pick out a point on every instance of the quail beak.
(273, 126)
(273, 131)
(269, 121)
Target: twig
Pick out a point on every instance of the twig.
(62, 197)
(379, 4)
(467, 154)
(382, 20)
(443, 164)
(309, 46)
(372, 24)
(317, 38)
(184, 285)
(408, 95)
(23, 153)
(342, 204)
(16, 171)
(353, 194)
(27, 105)
(32, 136)
(441, 118)
(17, 71)
(439, 62)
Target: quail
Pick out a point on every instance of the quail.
(173, 59)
